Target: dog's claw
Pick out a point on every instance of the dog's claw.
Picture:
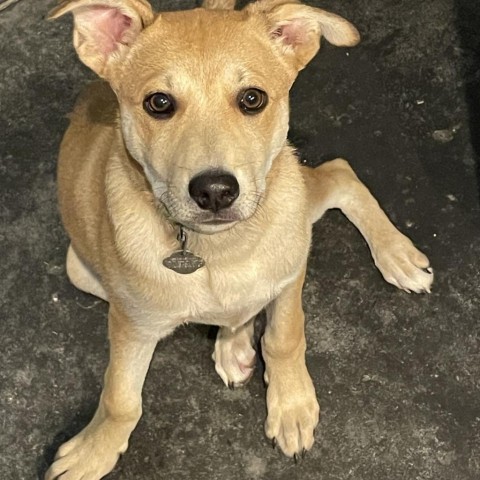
(295, 458)
(274, 442)
(231, 385)
(304, 452)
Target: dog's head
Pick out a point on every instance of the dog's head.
(203, 94)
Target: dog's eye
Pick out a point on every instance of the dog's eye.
(159, 105)
(252, 100)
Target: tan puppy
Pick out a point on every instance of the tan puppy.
(189, 137)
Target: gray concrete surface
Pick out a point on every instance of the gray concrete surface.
(397, 375)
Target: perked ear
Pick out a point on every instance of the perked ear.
(297, 29)
(105, 29)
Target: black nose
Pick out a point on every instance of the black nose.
(214, 190)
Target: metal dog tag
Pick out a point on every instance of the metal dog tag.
(183, 261)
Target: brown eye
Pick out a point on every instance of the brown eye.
(159, 105)
(252, 101)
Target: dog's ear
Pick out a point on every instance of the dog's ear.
(105, 29)
(296, 29)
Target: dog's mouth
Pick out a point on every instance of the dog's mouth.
(201, 222)
(214, 224)
(218, 221)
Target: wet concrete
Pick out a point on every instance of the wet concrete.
(397, 375)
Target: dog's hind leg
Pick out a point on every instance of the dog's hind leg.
(234, 355)
(218, 4)
(335, 185)
(82, 277)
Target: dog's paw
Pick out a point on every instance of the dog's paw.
(293, 413)
(234, 358)
(403, 265)
(88, 455)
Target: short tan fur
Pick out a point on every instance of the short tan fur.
(128, 178)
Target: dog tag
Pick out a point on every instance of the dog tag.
(183, 261)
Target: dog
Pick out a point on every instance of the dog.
(184, 202)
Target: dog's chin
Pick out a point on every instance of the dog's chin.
(212, 227)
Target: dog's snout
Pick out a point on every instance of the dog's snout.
(214, 190)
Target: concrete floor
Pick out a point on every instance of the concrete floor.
(397, 375)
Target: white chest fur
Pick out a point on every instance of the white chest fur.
(232, 287)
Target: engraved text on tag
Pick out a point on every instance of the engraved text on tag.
(183, 261)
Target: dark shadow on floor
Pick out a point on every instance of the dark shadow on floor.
(468, 26)
(73, 426)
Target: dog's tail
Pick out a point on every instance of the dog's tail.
(218, 4)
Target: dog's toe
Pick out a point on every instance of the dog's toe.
(235, 360)
(404, 266)
(293, 414)
(90, 455)
(293, 436)
(234, 373)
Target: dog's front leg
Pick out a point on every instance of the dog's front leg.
(95, 450)
(293, 410)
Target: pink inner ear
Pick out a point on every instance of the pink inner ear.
(292, 33)
(108, 27)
